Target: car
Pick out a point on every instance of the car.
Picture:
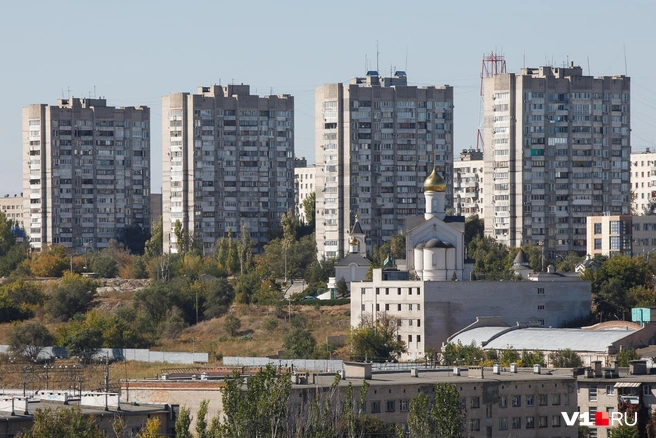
(310, 297)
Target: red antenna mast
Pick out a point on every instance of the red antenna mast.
(493, 64)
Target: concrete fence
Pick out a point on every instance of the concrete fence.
(299, 364)
(136, 354)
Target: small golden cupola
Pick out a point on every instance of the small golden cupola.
(434, 183)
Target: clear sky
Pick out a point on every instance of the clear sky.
(134, 52)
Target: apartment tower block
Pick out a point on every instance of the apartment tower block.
(557, 149)
(86, 172)
(376, 138)
(228, 163)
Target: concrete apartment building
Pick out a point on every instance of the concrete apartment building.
(497, 403)
(12, 207)
(86, 172)
(557, 149)
(304, 186)
(623, 234)
(643, 181)
(376, 137)
(468, 183)
(228, 161)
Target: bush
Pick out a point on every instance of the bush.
(71, 295)
(270, 324)
(232, 324)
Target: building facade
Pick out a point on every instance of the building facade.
(643, 182)
(304, 186)
(630, 235)
(12, 207)
(557, 149)
(468, 184)
(376, 137)
(228, 163)
(86, 172)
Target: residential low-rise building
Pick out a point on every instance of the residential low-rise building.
(612, 235)
(643, 182)
(468, 183)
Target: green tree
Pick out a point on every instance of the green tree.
(219, 295)
(474, 227)
(459, 354)
(624, 431)
(493, 259)
(232, 324)
(625, 355)
(84, 343)
(104, 263)
(260, 410)
(566, 358)
(342, 288)
(201, 420)
(71, 295)
(29, 338)
(179, 234)
(376, 339)
(447, 413)
(155, 245)
(183, 423)
(50, 262)
(611, 283)
(530, 358)
(420, 421)
(508, 356)
(299, 343)
(63, 422)
(309, 209)
(245, 249)
(7, 237)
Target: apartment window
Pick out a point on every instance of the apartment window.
(646, 390)
(540, 306)
(540, 291)
(386, 307)
(610, 390)
(488, 411)
(597, 228)
(516, 401)
(475, 402)
(418, 338)
(503, 423)
(529, 400)
(409, 339)
(592, 393)
(377, 307)
(375, 407)
(390, 406)
(409, 306)
(362, 307)
(543, 400)
(404, 405)
(474, 425)
(543, 421)
(597, 244)
(517, 422)
(419, 323)
(555, 399)
(503, 401)
(530, 422)
(399, 307)
(555, 421)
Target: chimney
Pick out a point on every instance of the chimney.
(596, 365)
(513, 367)
(496, 369)
(456, 371)
(638, 367)
(476, 372)
(536, 369)
(414, 372)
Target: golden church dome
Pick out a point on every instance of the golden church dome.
(434, 183)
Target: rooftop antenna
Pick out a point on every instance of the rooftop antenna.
(63, 92)
(377, 52)
(589, 65)
(69, 91)
(366, 64)
(626, 70)
(406, 60)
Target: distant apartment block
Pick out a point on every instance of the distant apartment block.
(86, 172)
(557, 149)
(468, 184)
(376, 139)
(624, 234)
(12, 207)
(228, 161)
(643, 182)
(304, 186)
